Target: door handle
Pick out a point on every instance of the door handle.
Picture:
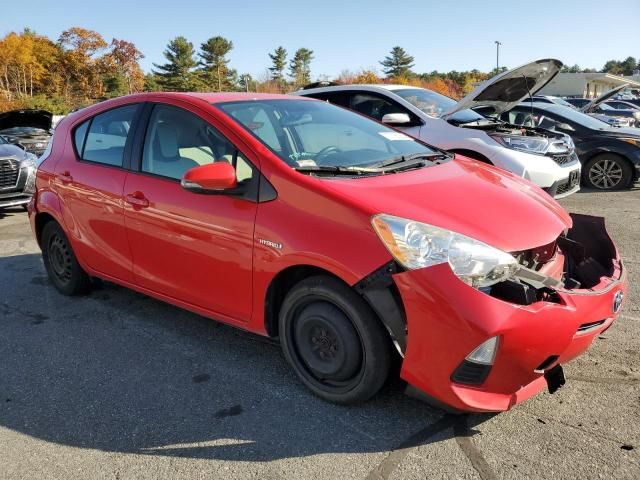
(65, 177)
(137, 199)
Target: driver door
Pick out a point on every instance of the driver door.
(195, 248)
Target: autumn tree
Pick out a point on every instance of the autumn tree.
(82, 75)
(179, 73)
(300, 67)
(398, 63)
(122, 65)
(278, 64)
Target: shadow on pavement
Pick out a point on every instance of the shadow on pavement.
(118, 371)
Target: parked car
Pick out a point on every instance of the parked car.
(344, 238)
(28, 128)
(610, 156)
(600, 110)
(546, 158)
(621, 105)
(17, 175)
(550, 99)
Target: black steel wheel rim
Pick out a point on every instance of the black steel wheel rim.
(59, 259)
(329, 355)
(605, 174)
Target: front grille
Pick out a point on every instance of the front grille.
(587, 327)
(9, 171)
(564, 158)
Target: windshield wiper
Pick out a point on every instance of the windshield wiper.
(336, 169)
(403, 159)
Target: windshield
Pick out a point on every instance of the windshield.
(305, 133)
(435, 104)
(580, 118)
(23, 131)
(2, 140)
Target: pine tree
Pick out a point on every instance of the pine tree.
(179, 73)
(300, 67)
(279, 61)
(398, 63)
(215, 66)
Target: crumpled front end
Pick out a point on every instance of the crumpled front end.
(565, 294)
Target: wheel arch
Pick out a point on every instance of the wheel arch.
(280, 284)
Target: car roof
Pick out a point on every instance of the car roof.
(372, 87)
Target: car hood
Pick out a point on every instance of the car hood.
(26, 118)
(9, 150)
(507, 89)
(467, 197)
(602, 98)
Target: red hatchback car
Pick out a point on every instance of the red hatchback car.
(348, 240)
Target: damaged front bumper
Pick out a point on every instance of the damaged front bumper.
(552, 315)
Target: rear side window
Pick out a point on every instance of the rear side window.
(102, 139)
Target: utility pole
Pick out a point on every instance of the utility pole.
(497, 54)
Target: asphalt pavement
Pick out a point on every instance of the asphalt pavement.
(116, 385)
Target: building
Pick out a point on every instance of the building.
(588, 85)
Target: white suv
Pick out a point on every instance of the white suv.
(545, 157)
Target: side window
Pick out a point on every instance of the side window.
(337, 98)
(177, 141)
(107, 136)
(79, 136)
(373, 105)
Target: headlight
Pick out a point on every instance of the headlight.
(30, 164)
(536, 145)
(418, 245)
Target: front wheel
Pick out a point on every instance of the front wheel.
(61, 264)
(334, 341)
(608, 171)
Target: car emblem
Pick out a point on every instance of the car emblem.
(269, 243)
(617, 301)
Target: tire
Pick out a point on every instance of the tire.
(334, 341)
(607, 171)
(60, 262)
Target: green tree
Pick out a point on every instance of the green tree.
(151, 82)
(628, 65)
(300, 67)
(279, 63)
(613, 67)
(398, 63)
(178, 74)
(215, 65)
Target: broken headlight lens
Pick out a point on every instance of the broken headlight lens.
(418, 245)
(537, 145)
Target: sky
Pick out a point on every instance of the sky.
(440, 35)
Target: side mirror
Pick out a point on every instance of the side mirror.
(564, 127)
(215, 177)
(396, 118)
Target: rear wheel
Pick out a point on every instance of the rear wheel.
(60, 262)
(334, 341)
(608, 171)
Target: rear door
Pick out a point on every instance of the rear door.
(89, 180)
(195, 248)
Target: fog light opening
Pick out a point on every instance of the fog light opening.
(475, 368)
(485, 353)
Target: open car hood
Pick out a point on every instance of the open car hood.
(602, 98)
(506, 90)
(26, 118)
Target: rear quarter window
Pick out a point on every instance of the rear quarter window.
(102, 139)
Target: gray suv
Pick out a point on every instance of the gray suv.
(17, 175)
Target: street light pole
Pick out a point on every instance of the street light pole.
(497, 54)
